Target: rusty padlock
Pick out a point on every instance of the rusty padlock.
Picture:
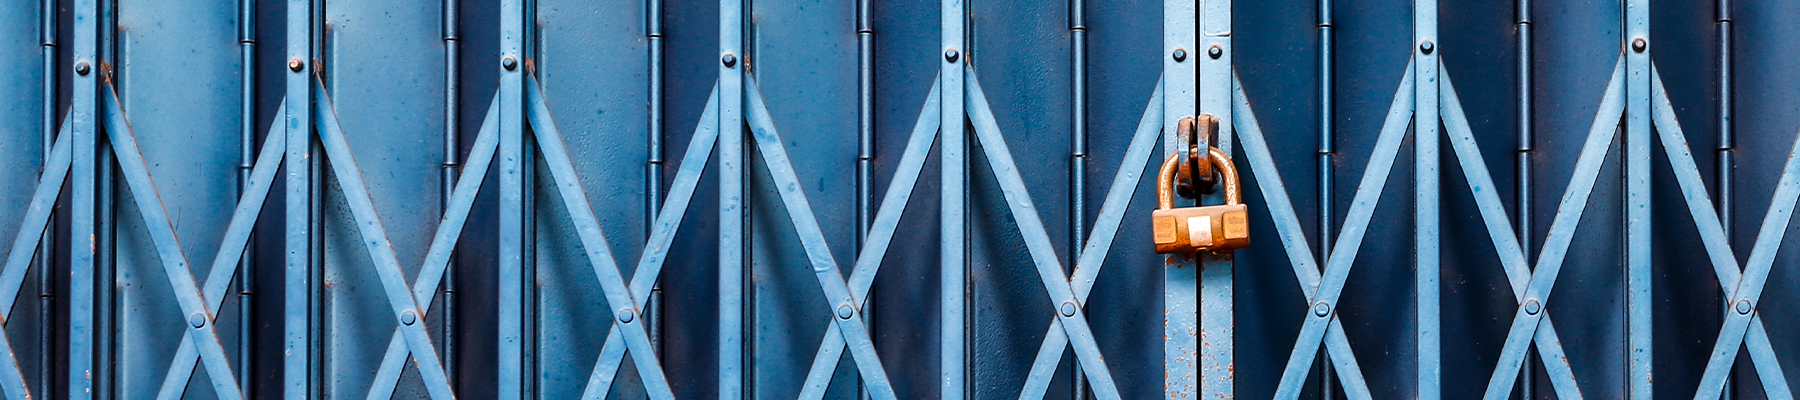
(1218, 229)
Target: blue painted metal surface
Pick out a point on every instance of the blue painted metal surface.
(784, 199)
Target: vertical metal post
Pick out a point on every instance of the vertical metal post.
(1217, 364)
(46, 259)
(513, 162)
(653, 172)
(1181, 297)
(84, 106)
(953, 223)
(865, 150)
(1637, 198)
(1522, 163)
(246, 348)
(1078, 154)
(297, 359)
(1426, 196)
(1726, 147)
(451, 169)
(733, 348)
(1327, 221)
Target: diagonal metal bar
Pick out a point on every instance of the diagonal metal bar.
(25, 245)
(1712, 235)
(825, 268)
(161, 229)
(1500, 231)
(1037, 240)
(1287, 224)
(656, 248)
(881, 235)
(375, 240)
(593, 240)
(231, 249)
(1562, 233)
(1323, 290)
(443, 244)
(1106, 227)
(1747, 291)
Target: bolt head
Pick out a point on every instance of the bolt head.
(509, 63)
(1068, 309)
(294, 64)
(1321, 309)
(1427, 46)
(1532, 307)
(625, 315)
(844, 311)
(197, 320)
(1743, 306)
(730, 60)
(1179, 55)
(951, 55)
(82, 68)
(408, 317)
(1638, 45)
(1215, 52)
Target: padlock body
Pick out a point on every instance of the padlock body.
(1218, 228)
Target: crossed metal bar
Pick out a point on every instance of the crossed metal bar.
(627, 323)
(881, 235)
(25, 245)
(1321, 325)
(1093, 255)
(1069, 312)
(1743, 325)
(407, 311)
(202, 336)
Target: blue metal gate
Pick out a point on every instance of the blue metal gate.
(563, 199)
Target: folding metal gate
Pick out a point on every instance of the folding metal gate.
(837, 199)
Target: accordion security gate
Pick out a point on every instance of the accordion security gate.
(774, 199)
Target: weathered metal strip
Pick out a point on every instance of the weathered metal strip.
(593, 239)
(1562, 233)
(161, 229)
(1099, 242)
(875, 244)
(1500, 231)
(375, 240)
(231, 251)
(1037, 241)
(1323, 291)
(656, 248)
(812, 238)
(443, 244)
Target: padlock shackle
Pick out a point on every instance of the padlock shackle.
(1165, 179)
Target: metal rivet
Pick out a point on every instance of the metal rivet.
(1743, 306)
(1638, 45)
(1427, 47)
(1215, 52)
(294, 64)
(729, 59)
(509, 63)
(951, 55)
(82, 68)
(408, 317)
(197, 320)
(625, 315)
(1068, 309)
(1532, 307)
(845, 312)
(1180, 55)
(1321, 309)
